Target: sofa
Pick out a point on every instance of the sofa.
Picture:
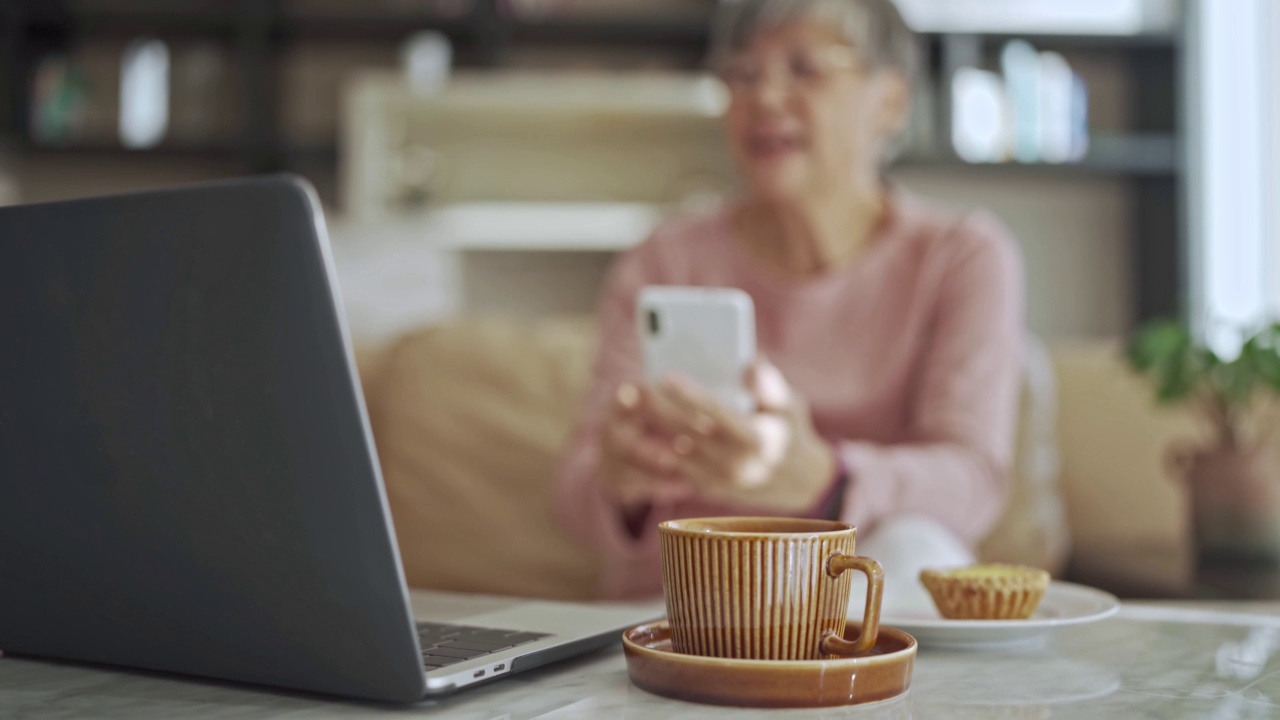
(470, 416)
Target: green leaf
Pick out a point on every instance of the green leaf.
(1179, 367)
(1157, 344)
(1178, 375)
(1165, 352)
(1235, 381)
(1263, 351)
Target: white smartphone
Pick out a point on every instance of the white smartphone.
(708, 335)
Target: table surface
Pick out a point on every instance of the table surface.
(1157, 660)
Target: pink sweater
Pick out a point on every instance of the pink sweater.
(910, 359)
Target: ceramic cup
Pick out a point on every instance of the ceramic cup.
(765, 588)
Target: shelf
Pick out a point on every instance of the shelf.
(541, 227)
(692, 29)
(1153, 155)
(1070, 41)
(483, 38)
(1132, 155)
(228, 22)
(310, 156)
(695, 30)
(105, 148)
(525, 227)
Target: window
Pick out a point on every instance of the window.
(1234, 260)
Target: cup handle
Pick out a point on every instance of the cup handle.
(837, 565)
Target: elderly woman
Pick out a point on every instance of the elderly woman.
(892, 329)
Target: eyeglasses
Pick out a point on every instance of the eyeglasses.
(798, 69)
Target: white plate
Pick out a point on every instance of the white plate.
(1063, 604)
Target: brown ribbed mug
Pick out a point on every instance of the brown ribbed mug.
(765, 588)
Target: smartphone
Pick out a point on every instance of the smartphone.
(708, 335)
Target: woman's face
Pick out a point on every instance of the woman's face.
(805, 116)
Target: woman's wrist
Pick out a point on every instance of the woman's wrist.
(831, 503)
(634, 518)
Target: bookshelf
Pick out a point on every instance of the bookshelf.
(256, 34)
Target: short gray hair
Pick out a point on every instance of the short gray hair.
(873, 28)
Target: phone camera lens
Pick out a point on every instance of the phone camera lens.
(655, 326)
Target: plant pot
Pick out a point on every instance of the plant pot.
(1234, 504)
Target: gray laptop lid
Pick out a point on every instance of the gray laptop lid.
(187, 480)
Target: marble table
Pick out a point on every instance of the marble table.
(1150, 661)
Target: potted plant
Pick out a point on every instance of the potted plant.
(1233, 487)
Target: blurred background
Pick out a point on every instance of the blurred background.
(1077, 120)
(490, 156)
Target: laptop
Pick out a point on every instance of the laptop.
(188, 482)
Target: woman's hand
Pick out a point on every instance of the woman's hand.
(771, 459)
(637, 465)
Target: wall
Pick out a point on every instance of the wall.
(1074, 234)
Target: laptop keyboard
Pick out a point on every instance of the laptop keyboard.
(444, 645)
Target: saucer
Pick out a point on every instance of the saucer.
(882, 675)
(1063, 604)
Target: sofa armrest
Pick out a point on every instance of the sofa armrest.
(1033, 529)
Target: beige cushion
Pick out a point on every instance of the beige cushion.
(470, 420)
(1128, 518)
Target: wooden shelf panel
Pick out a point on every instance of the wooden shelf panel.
(1136, 155)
